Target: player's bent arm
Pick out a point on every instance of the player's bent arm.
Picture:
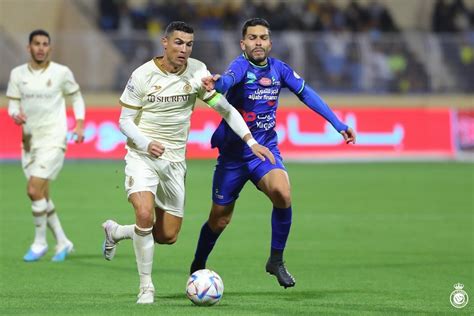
(309, 97)
(130, 129)
(219, 103)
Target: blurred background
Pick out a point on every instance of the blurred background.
(369, 53)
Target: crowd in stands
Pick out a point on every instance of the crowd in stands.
(357, 47)
(308, 15)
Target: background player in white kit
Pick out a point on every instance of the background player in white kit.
(157, 104)
(36, 93)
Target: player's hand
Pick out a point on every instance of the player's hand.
(209, 82)
(156, 149)
(78, 132)
(349, 136)
(262, 152)
(19, 118)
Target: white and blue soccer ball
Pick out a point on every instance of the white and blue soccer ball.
(205, 288)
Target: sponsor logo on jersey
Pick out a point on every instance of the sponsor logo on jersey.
(168, 99)
(296, 75)
(251, 77)
(265, 82)
(275, 82)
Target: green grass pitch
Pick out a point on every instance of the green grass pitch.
(367, 238)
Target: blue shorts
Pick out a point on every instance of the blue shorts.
(231, 176)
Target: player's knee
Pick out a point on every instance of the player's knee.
(144, 217)
(166, 238)
(281, 198)
(33, 193)
(219, 224)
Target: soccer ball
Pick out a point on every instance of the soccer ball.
(205, 288)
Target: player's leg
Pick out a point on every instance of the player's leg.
(227, 183)
(143, 244)
(114, 232)
(166, 228)
(36, 192)
(276, 185)
(140, 183)
(64, 245)
(219, 218)
(139, 176)
(169, 201)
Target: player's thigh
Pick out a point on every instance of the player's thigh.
(139, 174)
(45, 163)
(167, 227)
(170, 192)
(275, 183)
(227, 183)
(144, 204)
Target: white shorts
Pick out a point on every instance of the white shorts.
(42, 163)
(165, 179)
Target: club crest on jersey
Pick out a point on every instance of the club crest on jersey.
(49, 83)
(187, 88)
(265, 81)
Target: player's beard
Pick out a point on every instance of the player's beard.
(258, 60)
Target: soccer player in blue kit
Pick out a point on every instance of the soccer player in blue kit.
(253, 82)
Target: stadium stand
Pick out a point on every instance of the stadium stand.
(339, 46)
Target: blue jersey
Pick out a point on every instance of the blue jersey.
(254, 93)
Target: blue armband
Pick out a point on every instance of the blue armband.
(309, 97)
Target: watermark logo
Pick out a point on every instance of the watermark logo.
(458, 297)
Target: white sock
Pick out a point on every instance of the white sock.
(144, 247)
(123, 232)
(39, 218)
(55, 225)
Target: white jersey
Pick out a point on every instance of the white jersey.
(42, 97)
(165, 102)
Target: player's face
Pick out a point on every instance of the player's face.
(178, 47)
(257, 44)
(39, 49)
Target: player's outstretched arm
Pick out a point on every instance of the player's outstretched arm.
(309, 97)
(238, 125)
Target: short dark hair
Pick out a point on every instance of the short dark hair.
(254, 22)
(39, 32)
(178, 26)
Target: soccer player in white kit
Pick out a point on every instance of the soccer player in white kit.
(157, 104)
(36, 92)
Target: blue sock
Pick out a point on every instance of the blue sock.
(281, 223)
(206, 242)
